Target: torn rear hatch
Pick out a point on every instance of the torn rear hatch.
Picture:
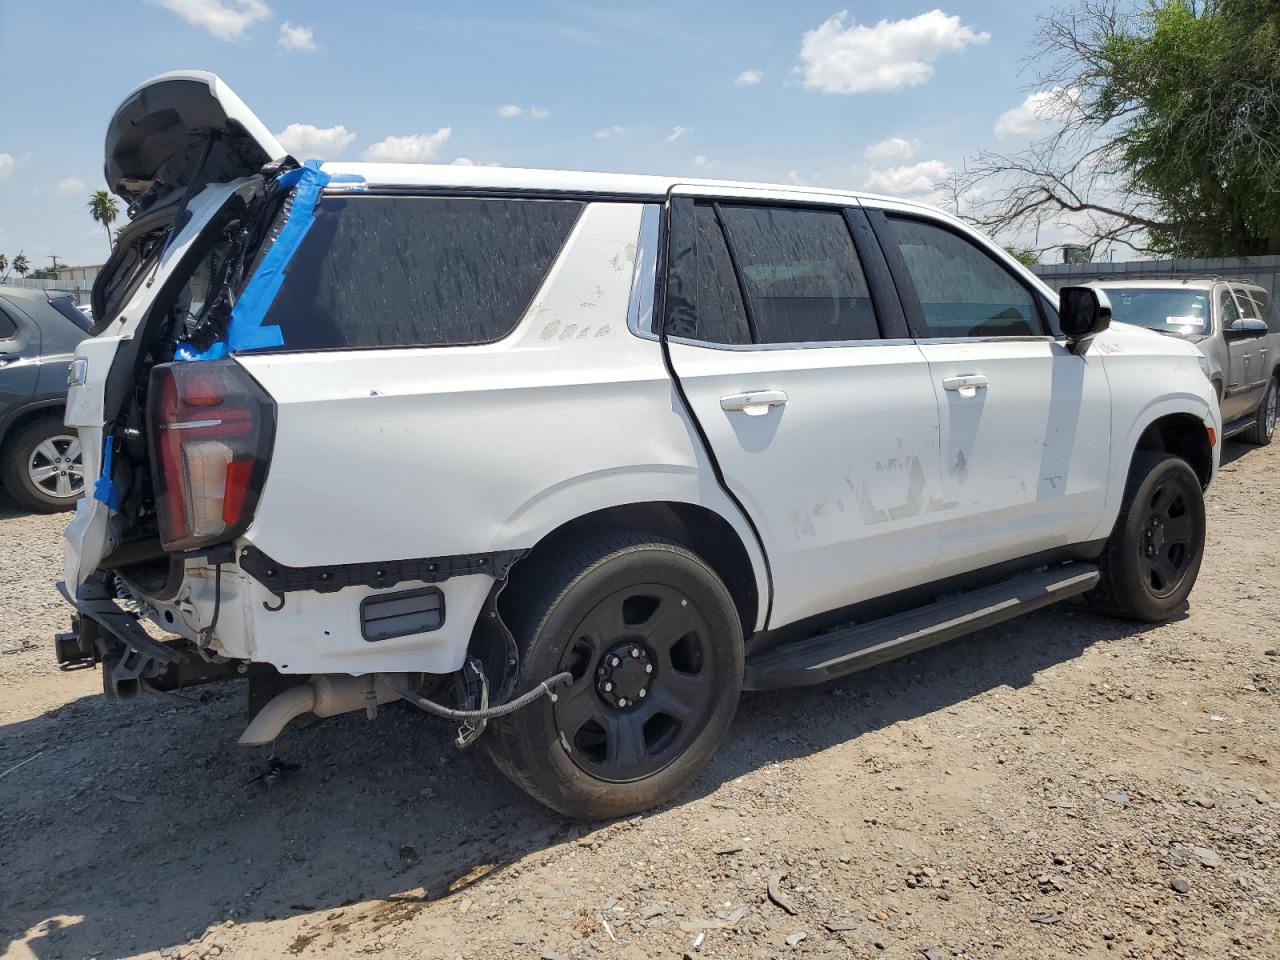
(179, 126)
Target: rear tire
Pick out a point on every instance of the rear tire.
(654, 642)
(1263, 427)
(1154, 552)
(41, 467)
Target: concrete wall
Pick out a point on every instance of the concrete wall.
(1264, 270)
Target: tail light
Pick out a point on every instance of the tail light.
(212, 428)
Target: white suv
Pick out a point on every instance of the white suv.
(585, 455)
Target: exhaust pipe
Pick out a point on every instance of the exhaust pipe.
(323, 695)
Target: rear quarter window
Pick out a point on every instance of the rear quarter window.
(8, 329)
(417, 271)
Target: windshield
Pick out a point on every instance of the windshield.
(1179, 311)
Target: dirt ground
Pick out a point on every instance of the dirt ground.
(1062, 786)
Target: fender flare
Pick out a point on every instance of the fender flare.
(20, 413)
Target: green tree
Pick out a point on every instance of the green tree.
(20, 265)
(44, 273)
(1027, 256)
(4, 264)
(1166, 130)
(104, 210)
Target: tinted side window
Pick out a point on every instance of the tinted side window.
(7, 327)
(721, 315)
(1267, 309)
(802, 276)
(1245, 302)
(1227, 308)
(417, 271)
(963, 292)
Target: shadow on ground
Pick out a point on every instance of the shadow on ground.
(140, 823)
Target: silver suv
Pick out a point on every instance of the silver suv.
(1234, 323)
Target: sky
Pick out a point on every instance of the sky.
(889, 96)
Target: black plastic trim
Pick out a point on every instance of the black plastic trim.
(884, 294)
(281, 579)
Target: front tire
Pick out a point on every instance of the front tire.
(1263, 427)
(41, 466)
(654, 643)
(1154, 552)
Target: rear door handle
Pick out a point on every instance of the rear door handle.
(755, 403)
(970, 382)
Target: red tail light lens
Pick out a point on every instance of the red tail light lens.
(212, 428)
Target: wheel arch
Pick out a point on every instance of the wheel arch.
(27, 413)
(699, 528)
(1182, 434)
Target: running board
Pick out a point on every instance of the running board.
(864, 645)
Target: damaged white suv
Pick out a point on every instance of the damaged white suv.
(578, 456)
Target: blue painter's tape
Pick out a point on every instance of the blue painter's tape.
(245, 331)
(105, 489)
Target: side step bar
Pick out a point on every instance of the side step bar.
(864, 645)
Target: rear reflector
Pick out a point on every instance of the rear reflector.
(387, 615)
(212, 428)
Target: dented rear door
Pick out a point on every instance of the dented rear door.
(822, 419)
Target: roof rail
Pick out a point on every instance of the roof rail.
(1151, 275)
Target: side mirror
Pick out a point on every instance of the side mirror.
(1245, 328)
(1083, 313)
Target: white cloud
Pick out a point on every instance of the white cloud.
(225, 19)
(842, 56)
(749, 78)
(894, 148)
(411, 148)
(306, 140)
(296, 38)
(613, 131)
(7, 163)
(701, 162)
(462, 162)
(511, 111)
(1040, 114)
(905, 181)
(678, 131)
(70, 185)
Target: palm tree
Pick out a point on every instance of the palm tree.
(104, 210)
(4, 265)
(20, 265)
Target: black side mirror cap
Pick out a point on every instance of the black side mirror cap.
(1083, 313)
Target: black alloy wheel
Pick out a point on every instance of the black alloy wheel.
(641, 684)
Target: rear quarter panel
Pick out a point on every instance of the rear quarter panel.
(426, 452)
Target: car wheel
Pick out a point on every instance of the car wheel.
(41, 466)
(654, 643)
(1263, 427)
(1153, 555)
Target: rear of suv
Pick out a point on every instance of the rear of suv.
(571, 459)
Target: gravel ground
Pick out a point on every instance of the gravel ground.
(1062, 786)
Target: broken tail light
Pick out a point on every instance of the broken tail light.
(212, 427)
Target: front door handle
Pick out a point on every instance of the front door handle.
(755, 403)
(968, 384)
